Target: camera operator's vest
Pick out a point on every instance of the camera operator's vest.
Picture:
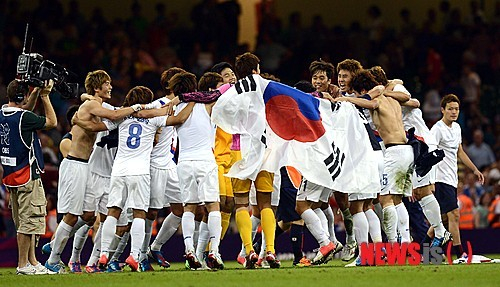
(17, 156)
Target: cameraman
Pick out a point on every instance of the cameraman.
(22, 161)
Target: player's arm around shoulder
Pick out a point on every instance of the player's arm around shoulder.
(360, 102)
(95, 108)
(182, 116)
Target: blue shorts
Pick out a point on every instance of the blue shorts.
(288, 198)
(446, 196)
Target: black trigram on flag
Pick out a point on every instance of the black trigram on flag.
(334, 162)
(334, 106)
(246, 85)
(263, 139)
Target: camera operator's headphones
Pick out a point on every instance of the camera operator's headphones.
(21, 91)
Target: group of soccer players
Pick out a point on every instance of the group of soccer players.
(126, 163)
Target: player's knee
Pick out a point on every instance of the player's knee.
(89, 217)
(300, 207)
(229, 206)
(342, 200)
(152, 213)
(241, 200)
(70, 219)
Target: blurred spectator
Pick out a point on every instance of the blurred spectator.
(482, 210)
(494, 210)
(480, 152)
(3, 207)
(472, 188)
(471, 82)
(51, 218)
(466, 209)
(137, 23)
(431, 109)
(271, 53)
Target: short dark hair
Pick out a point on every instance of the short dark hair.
(167, 75)
(379, 75)
(321, 65)
(209, 80)
(364, 80)
(450, 98)
(219, 67)
(94, 80)
(138, 95)
(350, 65)
(305, 86)
(183, 82)
(70, 113)
(245, 64)
(14, 89)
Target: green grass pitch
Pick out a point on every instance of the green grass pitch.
(332, 274)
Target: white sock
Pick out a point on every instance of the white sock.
(360, 227)
(121, 244)
(137, 233)
(77, 226)
(78, 242)
(262, 252)
(188, 226)
(196, 231)
(108, 233)
(96, 249)
(313, 223)
(377, 208)
(403, 223)
(390, 222)
(215, 229)
(60, 240)
(374, 226)
(430, 207)
(331, 223)
(203, 236)
(324, 221)
(168, 228)
(255, 225)
(147, 238)
(114, 243)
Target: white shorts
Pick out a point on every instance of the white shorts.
(313, 192)
(72, 185)
(164, 187)
(361, 196)
(199, 181)
(275, 195)
(429, 178)
(98, 192)
(134, 188)
(398, 170)
(379, 154)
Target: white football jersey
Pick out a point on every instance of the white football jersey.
(448, 139)
(162, 154)
(136, 136)
(412, 117)
(104, 151)
(196, 135)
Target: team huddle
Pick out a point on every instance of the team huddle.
(124, 164)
